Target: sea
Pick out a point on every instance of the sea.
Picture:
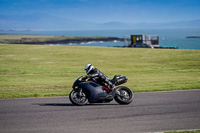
(167, 37)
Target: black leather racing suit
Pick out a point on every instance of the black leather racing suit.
(100, 78)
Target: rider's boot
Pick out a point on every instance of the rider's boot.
(112, 88)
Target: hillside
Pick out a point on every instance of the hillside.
(38, 21)
(42, 39)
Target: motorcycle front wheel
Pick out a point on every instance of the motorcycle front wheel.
(124, 95)
(78, 98)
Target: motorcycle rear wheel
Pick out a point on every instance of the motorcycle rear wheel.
(78, 99)
(125, 95)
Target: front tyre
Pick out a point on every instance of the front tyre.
(78, 98)
(123, 95)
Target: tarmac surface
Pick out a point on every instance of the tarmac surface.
(149, 112)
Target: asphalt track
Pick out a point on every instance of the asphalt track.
(149, 112)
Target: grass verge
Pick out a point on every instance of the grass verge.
(41, 70)
(195, 131)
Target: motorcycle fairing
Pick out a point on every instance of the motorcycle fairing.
(97, 93)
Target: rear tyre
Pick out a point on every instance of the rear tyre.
(124, 95)
(78, 98)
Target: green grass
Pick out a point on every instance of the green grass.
(195, 131)
(41, 70)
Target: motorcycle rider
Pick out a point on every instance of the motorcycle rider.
(98, 76)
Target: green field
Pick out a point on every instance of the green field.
(195, 131)
(42, 70)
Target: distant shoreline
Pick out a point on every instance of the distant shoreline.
(193, 37)
(47, 39)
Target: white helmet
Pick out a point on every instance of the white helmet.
(89, 68)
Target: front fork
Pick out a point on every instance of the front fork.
(79, 92)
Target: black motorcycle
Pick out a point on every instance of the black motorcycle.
(88, 90)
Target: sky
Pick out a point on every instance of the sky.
(103, 11)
